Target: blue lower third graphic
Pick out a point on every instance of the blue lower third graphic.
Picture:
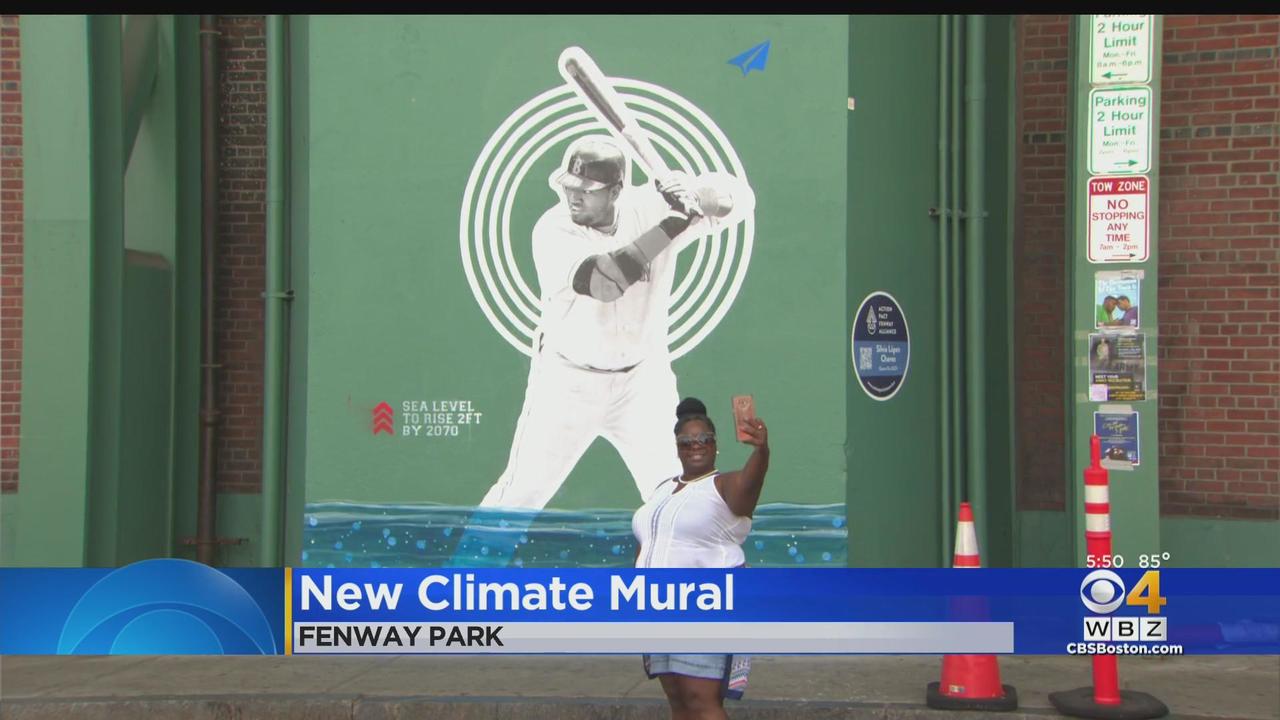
(163, 606)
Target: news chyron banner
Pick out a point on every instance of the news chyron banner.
(181, 607)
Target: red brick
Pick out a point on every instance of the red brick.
(241, 257)
(11, 255)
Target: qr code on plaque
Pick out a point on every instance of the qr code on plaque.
(864, 358)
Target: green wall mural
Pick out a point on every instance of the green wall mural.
(474, 396)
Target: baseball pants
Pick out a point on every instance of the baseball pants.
(567, 407)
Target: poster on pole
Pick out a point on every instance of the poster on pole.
(1117, 367)
(1116, 295)
(1117, 427)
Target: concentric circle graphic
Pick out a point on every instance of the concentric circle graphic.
(703, 290)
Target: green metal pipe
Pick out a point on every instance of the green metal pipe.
(955, 349)
(975, 97)
(273, 401)
(944, 327)
(106, 288)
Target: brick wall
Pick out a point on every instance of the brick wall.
(1040, 259)
(1219, 344)
(241, 260)
(1219, 295)
(10, 251)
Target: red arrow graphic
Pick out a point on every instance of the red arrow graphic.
(383, 419)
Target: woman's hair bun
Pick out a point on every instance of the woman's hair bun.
(690, 406)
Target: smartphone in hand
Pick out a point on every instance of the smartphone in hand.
(744, 409)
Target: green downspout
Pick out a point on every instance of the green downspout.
(955, 350)
(944, 328)
(106, 289)
(277, 297)
(975, 326)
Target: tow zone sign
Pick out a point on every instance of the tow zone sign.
(1119, 219)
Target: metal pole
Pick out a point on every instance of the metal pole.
(975, 246)
(276, 299)
(207, 498)
(944, 291)
(954, 297)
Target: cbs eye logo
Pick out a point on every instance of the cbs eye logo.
(166, 607)
(1103, 592)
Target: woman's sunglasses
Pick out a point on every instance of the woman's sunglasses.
(701, 439)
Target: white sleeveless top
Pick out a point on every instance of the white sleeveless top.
(693, 528)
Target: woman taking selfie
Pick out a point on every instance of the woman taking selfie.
(700, 520)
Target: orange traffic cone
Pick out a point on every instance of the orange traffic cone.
(970, 682)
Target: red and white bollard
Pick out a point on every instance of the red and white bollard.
(1104, 699)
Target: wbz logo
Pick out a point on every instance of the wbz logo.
(1126, 629)
(1103, 592)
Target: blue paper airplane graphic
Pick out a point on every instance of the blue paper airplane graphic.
(753, 59)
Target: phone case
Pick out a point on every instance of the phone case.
(744, 408)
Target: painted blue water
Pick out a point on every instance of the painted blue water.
(340, 534)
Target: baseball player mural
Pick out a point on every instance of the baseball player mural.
(515, 270)
(605, 257)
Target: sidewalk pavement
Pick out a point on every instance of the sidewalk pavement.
(580, 687)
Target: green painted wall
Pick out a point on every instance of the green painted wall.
(390, 315)
(150, 193)
(185, 456)
(106, 287)
(143, 502)
(1044, 539)
(49, 524)
(98, 349)
(297, 232)
(1217, 542)
(998, 306)
(893, 457)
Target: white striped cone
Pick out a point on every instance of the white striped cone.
(966, 555)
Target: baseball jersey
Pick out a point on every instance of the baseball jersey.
(586, 331)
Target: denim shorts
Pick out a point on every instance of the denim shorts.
(730, 670)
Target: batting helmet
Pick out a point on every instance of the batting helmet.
(593, 162)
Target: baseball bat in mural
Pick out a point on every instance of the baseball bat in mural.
(584, 76)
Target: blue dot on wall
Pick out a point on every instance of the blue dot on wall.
(312, 521)
(792, 550)
(448, 531)
(759, 544)
(304, 556)
(616, 549)
(386, 532)
(837, 522)
(826, 556)
(799, 558)
(391, 541)
(356, 525)
(422, 544)
(337, 545)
